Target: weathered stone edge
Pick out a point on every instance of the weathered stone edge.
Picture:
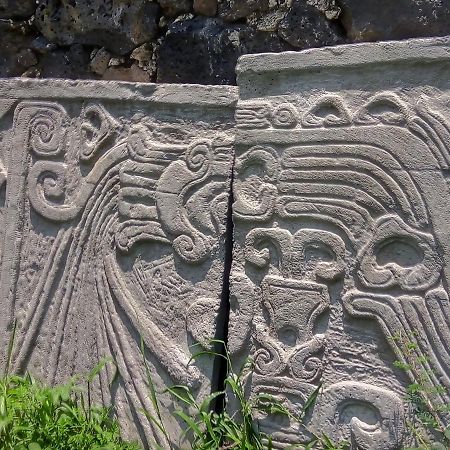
(349, 55)
(178, 94)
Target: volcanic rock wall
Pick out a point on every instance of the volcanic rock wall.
(191, 41)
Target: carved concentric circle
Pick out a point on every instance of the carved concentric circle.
(285, 116)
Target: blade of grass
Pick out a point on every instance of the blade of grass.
(153, 397)
(10, 348)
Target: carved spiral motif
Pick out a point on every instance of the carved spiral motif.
(47, 190)
(306, 362)
(285, 116)
(255, 193)
(260, 241)
(137, 143)
(313, 367)
(191, 249)
(53, 185)
(307, 369)
(199, 157)
(46, 132)
(268, 360)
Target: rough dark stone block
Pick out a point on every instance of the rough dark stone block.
(304, 26)
(117, 26)
(17, 9)
(205, 51)
(232, 10)
(205, 7)
(68, 63)
(173, 8)
(374, 20)
(14, 40)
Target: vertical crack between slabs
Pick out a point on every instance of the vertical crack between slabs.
(220, 363)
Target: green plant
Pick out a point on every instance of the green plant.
(210, 430)
(34, 416)
(427, 427)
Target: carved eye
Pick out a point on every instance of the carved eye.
(317, 251)
(383, 108)
(399, 255)
(366, 414)
(96, 122)
(401, 251)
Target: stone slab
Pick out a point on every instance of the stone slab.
(341, 236)
(114, 209)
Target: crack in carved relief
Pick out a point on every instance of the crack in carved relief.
(115, 228)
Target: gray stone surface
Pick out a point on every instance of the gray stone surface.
(342, 238)
(114, 204)
(114, 201)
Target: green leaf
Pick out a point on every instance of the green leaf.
(205, 353)
(310, 402)
(182, 393)
(99, 367)
(402, 365)
(189, 422)
(232, 432)
(447, 433)
(153, 397)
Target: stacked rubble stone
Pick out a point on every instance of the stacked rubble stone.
(191, 41)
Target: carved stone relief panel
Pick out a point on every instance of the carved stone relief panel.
(341, 243)
(114, 205)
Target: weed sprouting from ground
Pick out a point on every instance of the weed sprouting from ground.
(427, 427)
(34, 416)
(210, 430)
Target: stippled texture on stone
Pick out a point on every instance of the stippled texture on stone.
(114, 205)
(341, 244)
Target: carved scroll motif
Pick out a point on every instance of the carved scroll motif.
(255, 190)
(97, 127)
(46, 127)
